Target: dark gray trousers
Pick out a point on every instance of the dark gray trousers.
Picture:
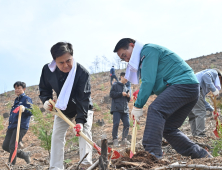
(9, 142)
(165, 115)
(197, 117)
(113, 77)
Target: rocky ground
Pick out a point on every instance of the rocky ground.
(100, 91)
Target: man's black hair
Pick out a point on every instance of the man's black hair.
(123, 43)
(122, 74)
(61, 48)
(19, 83)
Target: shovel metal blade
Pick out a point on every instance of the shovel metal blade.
(115, 154)
(131, 154)
(15, 152)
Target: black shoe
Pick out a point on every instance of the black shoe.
(25, 156)
(202, 135)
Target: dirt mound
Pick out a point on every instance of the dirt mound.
(141, 160)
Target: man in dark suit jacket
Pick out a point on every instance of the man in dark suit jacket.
(79, 106)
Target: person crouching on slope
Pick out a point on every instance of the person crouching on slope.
(210, 80)
(165, 74)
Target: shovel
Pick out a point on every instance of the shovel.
(133, 140)
(218, 124)
(134, 133)
(115, 154)
(18, 130)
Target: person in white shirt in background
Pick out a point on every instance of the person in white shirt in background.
(210, 80)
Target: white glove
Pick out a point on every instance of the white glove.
(78, 128)
(216, 93)
(136, 113)
(23, 108)
(47, 106)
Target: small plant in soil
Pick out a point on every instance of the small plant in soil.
(106, 113)
(102, 87)
(217, 144)
(131, 124)
(96, 107)
(95, 125)
(67, 161)
(73, 140)
(1, 122)
(9, 105)
(42, 127)
(93, 78)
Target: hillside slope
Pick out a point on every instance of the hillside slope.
(100, 83)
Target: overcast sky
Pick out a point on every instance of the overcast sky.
(28, 29)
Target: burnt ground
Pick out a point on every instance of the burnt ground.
(100, 91)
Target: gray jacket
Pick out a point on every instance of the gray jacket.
(206, 79)
(119, 102)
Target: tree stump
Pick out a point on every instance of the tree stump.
(103, 162)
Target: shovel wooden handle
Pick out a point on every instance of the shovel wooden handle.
(17, 133)
(19, 123)
(133, 140)
(115, 154)
(62, 116)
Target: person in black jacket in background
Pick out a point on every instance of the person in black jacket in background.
(79, 106)
(120, 110)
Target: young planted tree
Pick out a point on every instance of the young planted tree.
(96, 64)
(42, 127)
(217, 148)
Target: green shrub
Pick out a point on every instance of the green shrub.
(42, 128)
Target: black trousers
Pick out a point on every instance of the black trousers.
(113, 77)
(9, 142)
(165, 115)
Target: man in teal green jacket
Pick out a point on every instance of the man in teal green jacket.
(165, 74)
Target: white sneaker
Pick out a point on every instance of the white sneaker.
(125, 142)
(115, 142)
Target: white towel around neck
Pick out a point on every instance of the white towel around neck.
(64, 95)
(133, 65)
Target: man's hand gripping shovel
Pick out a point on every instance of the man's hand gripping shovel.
(115, 154)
